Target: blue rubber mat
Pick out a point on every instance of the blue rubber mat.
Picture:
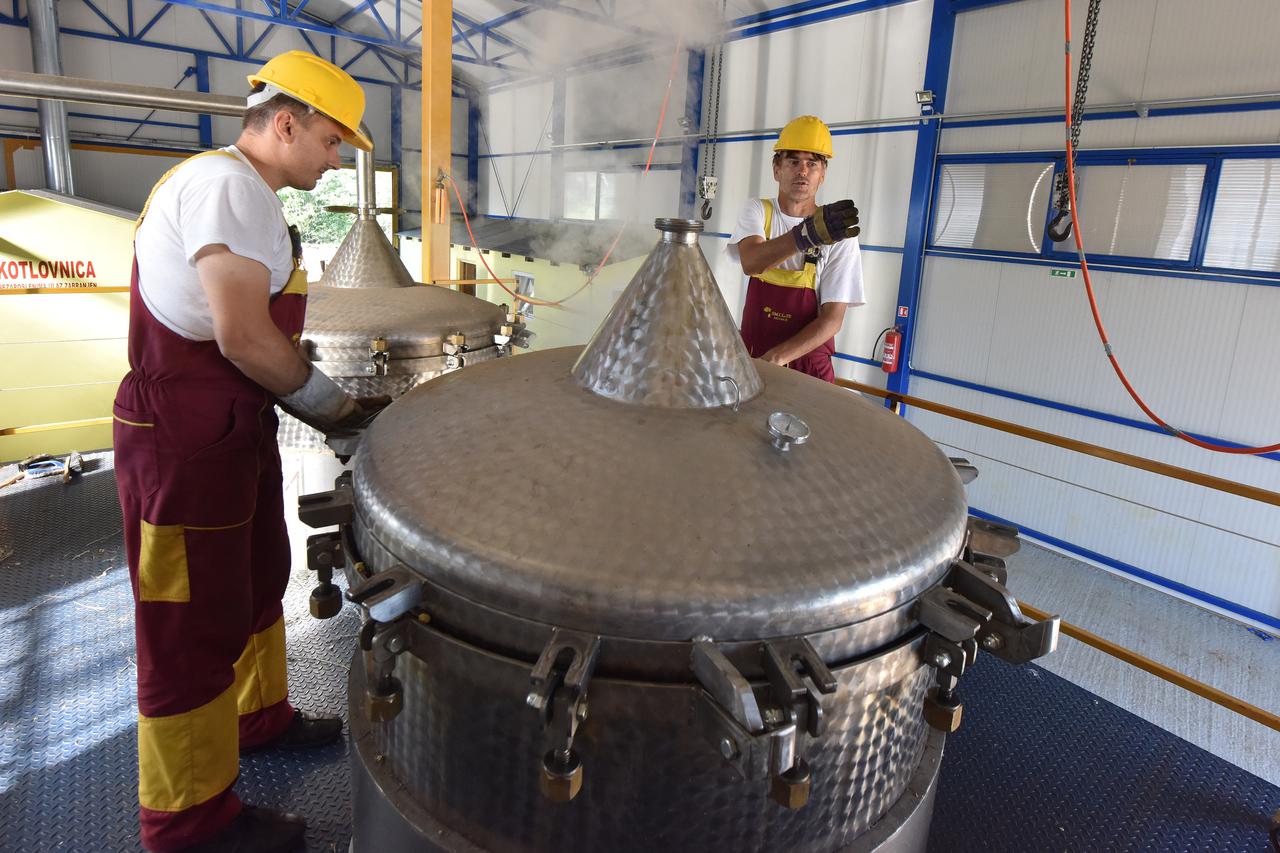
(1039, 764)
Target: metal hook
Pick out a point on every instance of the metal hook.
(737, 392)
(706, 210)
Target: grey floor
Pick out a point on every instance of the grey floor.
(1240, 660)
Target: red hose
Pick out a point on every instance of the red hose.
(662, 116)
(1093, 302)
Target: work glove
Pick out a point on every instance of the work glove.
(832, 223)
(321, 404)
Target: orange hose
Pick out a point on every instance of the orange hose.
(662, 116)
(1093, 302)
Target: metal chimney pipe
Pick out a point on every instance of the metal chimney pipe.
(366, 206)
(55, 141)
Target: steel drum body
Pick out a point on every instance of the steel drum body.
(464, 750)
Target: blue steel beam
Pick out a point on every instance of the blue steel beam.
(202, 85)
(693, 125)
(488, 31)
(937, 70)
(155, 20)
(490, 26)
(298, 24)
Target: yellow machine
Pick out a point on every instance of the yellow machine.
(64, 317)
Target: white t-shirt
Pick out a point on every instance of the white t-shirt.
(839, 267)
(213, 199)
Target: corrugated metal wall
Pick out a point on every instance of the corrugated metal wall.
(1203, 353)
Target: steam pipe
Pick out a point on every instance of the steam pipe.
(55, 141)
(22, 84)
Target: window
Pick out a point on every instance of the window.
(993, 206)
(1138, 210)
(1244, 232)
(580, 195)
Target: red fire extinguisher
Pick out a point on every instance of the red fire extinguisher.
(892, 345)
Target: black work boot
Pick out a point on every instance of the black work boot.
(305, 731)
(256, 830)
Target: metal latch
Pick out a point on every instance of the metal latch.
(389, 600)
(379, 357)
(512, 333)
(323, 509)
(558, 694)
(764, 741)
(455, 350)
(972, 609)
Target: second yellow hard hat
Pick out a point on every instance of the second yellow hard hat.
(806, 133)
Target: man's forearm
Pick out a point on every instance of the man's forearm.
(817, 332)
(268, 359)
(758, 254)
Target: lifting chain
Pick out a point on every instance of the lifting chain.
(707, 182)
(1060, 227)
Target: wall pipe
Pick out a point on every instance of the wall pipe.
(22, 84)
(55, 141)
(1140, 108)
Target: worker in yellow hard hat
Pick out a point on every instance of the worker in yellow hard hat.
(216, 310)
(802, 258)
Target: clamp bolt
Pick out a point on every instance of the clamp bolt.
(992, 642)
(728, 749)
(942, 660)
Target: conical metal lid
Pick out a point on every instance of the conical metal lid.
(670, 341)
(366, 258)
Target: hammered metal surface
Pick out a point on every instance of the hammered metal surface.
(653, 523)
(366, 259)
(468, 749)
(670, 340)
(415, 321)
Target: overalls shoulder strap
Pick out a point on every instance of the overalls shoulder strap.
(805, 278)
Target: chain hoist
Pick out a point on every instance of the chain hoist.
(708, 183)
(1060, 227)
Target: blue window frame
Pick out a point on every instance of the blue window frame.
(1209, 159)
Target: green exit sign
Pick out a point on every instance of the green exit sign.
(1062, 273)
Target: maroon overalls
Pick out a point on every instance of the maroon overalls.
(199, 478)
(780, 303)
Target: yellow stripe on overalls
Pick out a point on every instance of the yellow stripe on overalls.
(802, 278)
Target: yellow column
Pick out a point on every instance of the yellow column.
(437, 111)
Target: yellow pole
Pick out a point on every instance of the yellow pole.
(437, 143)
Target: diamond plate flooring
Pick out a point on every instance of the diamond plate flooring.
(1038, 765)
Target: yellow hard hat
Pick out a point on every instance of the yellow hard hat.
(806, 133)
(321, 85)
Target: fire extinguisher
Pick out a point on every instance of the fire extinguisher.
(892, 346)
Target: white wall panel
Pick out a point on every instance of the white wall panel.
(871, 65)
(1248, 128)
(954, 318)
(880, 274)
(514, 119)
(411, 121)
(457, 118)
(596, 108)
(1201, 49)
(1247, 365)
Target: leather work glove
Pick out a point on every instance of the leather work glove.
(321, 404)
(832, 223)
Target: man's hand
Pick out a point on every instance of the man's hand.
(832, 223)
(775, 356)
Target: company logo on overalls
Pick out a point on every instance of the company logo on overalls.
(780, 316)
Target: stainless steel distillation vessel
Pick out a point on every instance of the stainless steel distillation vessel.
(662, 607)
(376, 332)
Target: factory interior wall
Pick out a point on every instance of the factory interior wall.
(873, 62)
(1200, 349)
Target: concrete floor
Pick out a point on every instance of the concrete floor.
(1237, 659)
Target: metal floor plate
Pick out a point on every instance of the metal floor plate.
(1039, 764)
